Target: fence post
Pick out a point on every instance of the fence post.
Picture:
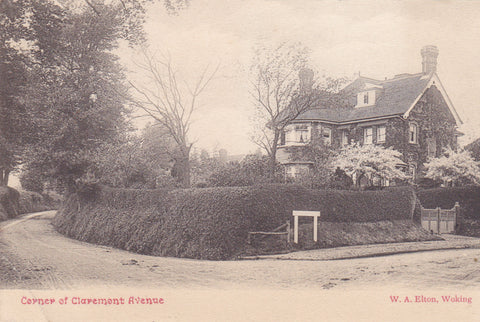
(457, 207)
(295, 227)
(438, 220)
(288, 231)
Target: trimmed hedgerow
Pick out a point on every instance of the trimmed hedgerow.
(468, 197)
(213, 223)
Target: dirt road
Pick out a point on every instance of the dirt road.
(33, 255)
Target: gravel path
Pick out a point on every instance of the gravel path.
(34, 256)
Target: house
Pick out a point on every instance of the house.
(410, 112)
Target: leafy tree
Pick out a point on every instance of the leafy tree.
(14, 118)
(459, 168)
(474, 148)
(31, 181)
(370, 161)
(62, 90)
(76, 88)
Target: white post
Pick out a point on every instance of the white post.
(298, 213)
(295, 230)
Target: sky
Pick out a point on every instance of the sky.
(376, 38)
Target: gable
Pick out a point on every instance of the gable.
(435, 82)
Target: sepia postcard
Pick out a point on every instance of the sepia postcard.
(239, 160)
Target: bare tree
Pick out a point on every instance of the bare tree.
(171, 102)
(283, 87)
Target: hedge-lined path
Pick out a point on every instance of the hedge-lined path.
(33, 255)
(349, 252)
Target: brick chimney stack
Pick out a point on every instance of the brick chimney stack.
(429, 59)
(306, 79)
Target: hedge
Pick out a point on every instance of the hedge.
(14, 203)
(30, 201)
(8, 203)
(468, 197)
(213, 223)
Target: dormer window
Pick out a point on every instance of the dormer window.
(366, 98)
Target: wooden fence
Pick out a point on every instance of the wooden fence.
(277, 231)
(440, 221)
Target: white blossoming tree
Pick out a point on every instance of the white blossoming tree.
(369, 161)
(459, 168)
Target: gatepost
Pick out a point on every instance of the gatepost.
(298, 213)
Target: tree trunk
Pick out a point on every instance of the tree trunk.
(4, 175)
(181, 168)
(185, 172)
(273, 156)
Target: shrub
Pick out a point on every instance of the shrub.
(9, 207)
(252, 170)
(468, 197)
(458, 167)
(31, 181)
(213, 223)
(30, 201)
(14, 203)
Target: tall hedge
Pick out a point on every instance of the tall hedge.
(9, 207)
(213, 223)
(468, 197)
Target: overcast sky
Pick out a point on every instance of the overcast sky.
(377, 38)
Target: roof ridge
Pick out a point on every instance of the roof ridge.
(403, 76)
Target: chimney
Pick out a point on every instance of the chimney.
(429, 59)
(306, 79)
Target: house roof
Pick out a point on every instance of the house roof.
(396, 97)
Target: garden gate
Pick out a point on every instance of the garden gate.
(440, 221)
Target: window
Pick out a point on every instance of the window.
(413, 133)
(327, 135)
(344, 137)
(297, 134)
(365, 98)
(367, 135)
(290, 135)
(412, 171)
(290, 171)
(381, 134)
(293, 171)
(302, 135)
